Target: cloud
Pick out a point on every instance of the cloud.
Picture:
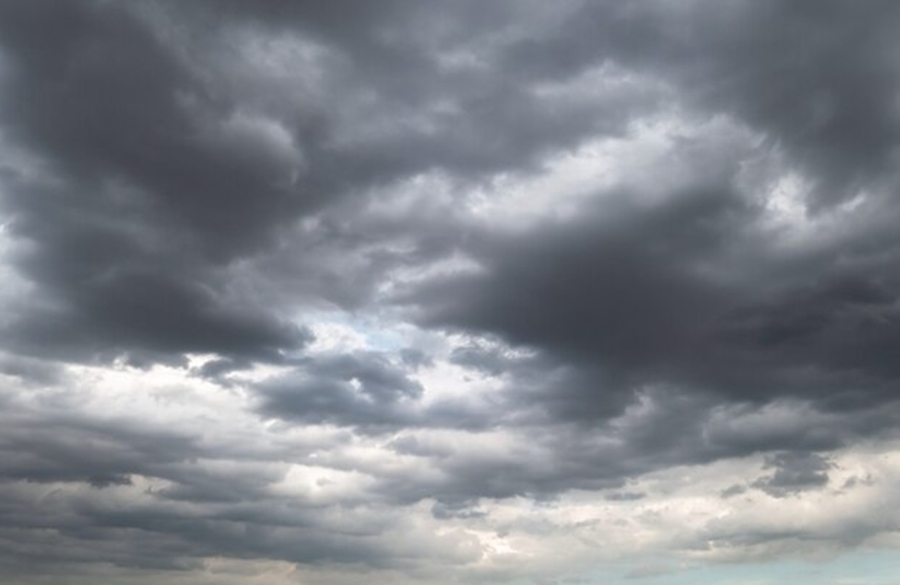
(456, 292)
(361, 389)
(794, 472)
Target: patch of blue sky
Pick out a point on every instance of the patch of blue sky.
(377, 333)
(864, 567)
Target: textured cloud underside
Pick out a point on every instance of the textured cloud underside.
(447, 291)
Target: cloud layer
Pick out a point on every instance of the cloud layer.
(449, 292)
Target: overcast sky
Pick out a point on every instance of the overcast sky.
(528, 292)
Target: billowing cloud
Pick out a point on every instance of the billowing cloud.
(447, 292)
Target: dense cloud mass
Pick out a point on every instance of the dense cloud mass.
(456, 291)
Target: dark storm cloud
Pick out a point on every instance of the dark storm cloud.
(401, 54)
(818, 78)
(352, 389)
(640, 295)
(365, 390)
(621, 298)
(158, 175)
(653, 297)
(690, 291)
(147, 314)
(794, 472)
(133, 199)
(96, 118)
(44, 447)
(622, 285)
(33, 371)
(93, 90)
(192, 190)
(612, 311)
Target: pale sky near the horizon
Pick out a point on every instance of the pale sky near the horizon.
(550, 293)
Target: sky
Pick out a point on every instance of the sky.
(449, 292)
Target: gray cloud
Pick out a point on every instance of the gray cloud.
(362, 389)
(614, 238)
(794, 472)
